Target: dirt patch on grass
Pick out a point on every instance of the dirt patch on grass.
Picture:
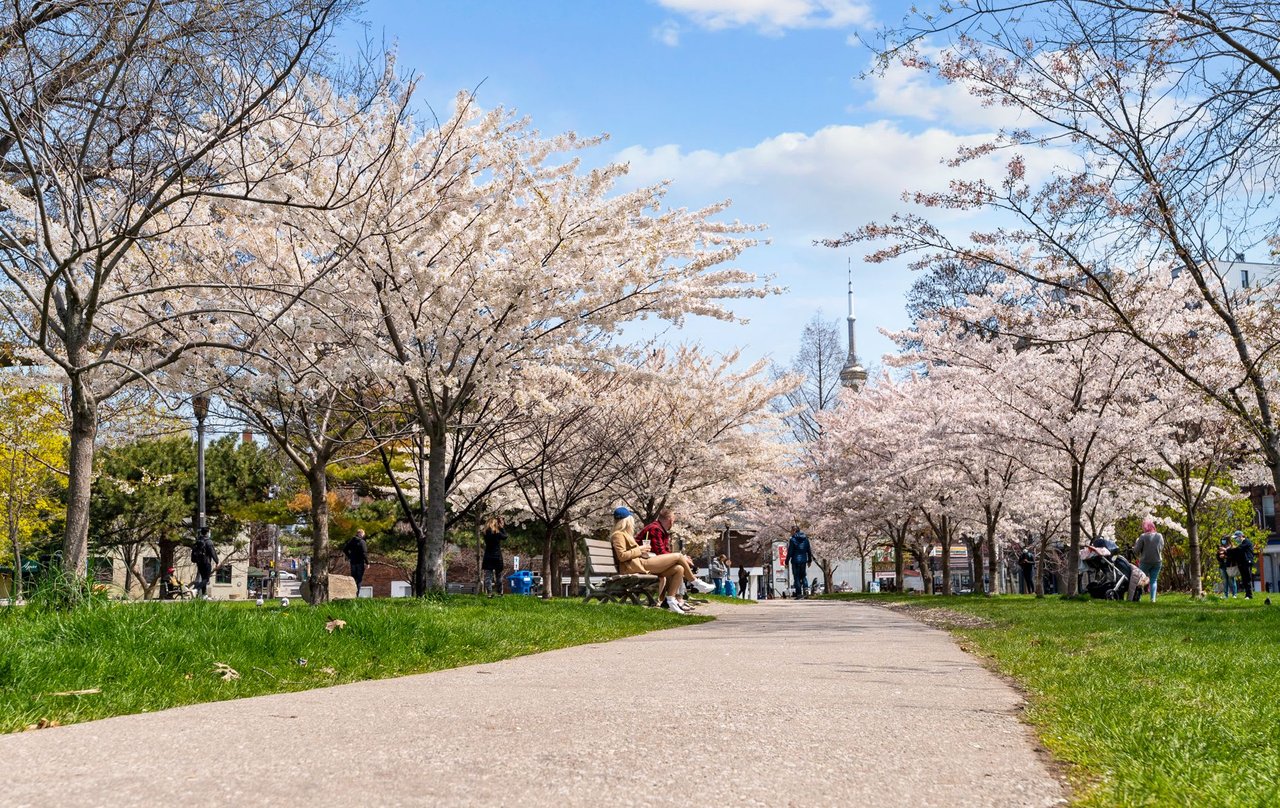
(940, 617)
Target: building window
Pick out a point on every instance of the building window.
(1269, 513)
(1244, 279)
(222, 575)
(150, 569)
(102, 570)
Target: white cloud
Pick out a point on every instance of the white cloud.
(772, 16)
(809, 186)
(668, 33)
(908, 92)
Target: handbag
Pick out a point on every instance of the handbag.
(1233, 572)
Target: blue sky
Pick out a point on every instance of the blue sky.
(753, 100)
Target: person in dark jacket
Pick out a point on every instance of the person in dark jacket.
(357, 552)
(1027, 566)
(205, 556)
(1242, 555)
(744, 580)
(494, 534)
(799, 556)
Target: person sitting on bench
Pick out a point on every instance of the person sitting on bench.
(636, 558)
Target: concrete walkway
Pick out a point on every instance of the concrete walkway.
(783, 703)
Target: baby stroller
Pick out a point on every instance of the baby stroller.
(1108, 572)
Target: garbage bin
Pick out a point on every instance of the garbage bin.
(520, 582)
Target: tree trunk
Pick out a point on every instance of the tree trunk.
(429, 574)
(1193, 552)
(547, 594)
(84, 431)
(828, 572)
(168, 558)
(993, 562)
(16, 594)
(555, 580)
(480, 551)
(945, 538)
(900, 565)
(318, 585)
(1069, 576)
(573, 564)
(926, 571)
(975, 564)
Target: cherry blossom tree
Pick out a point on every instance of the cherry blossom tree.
(704, 432)
(522, 259)
(1158, 116)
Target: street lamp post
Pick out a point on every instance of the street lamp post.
(200, 406)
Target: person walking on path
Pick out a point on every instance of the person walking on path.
(1149, 549)
(1243, 555)
(205, 556)
(357, 552)
(634, 558)
(799, 556)
(494, 535)
(720, 574)
(744, 580)
(1227, 567)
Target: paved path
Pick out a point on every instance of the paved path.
(794, 702)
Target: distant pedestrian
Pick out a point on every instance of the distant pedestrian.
(494, 535)
(744, 580)
(205, 556)
(1149, 549)
(357, 552)
(1243, 555)
(1226, 566)
(170, 586)
(720, 574)
(799, 556)
(1027, 566)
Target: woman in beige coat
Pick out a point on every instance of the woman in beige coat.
(636, 558)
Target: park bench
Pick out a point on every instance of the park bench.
(605, 583)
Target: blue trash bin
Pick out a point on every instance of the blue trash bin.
(521, 582)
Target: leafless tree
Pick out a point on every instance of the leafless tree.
(821, 356)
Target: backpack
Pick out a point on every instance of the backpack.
(197, 553)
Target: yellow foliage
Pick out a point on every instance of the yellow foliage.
(33, 447)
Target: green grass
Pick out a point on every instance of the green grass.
(151, 656)
(1175, 703)
(725, 599)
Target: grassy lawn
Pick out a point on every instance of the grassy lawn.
(725, 599)
(149, 656)
(1173, 703)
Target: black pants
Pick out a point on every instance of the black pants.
(799, 578)
(1246, 579)
(357, 572)
(1028, 581)
(203, 573)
